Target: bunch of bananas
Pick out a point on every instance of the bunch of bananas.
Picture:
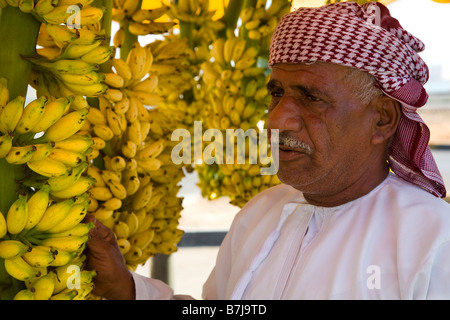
(138, 21)
(133, 147)
(69, 61)
(235, 84)
(43, 229)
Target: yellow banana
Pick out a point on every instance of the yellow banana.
(44, 6)
(42, 151)
(4, 92)
(53, 215)
(103, 131)
(98, 143)
(90, 15)
(165, 248)
(63, 258)
(142, 29)
(122, 69)
(134, 132)
(77, 143)
(87, 36)
(147, 98)
(49, 52)
(54, 110)
(114, 80)
(75, 51)
(96, 173)
(20, 155)
(87, 79)
(117, 189)
(130, 6)
(58, 15)
(71, 176)
(74, 217)
(114, 122)
(142, 196)
(20, 269)
(124, 245)
(25, 294)
(79, 102)
(119, 38)
(128, 149)
(131, 181)
(37, 205)
(31, 115)
(3, 226)
(146, 223)
(68, 157)
(133, 255)
(149, 165)
(113, 204)
(44, 286)
(66, 243)
(80, 229)
(65, 66)
(95, 116)
(103, 214)
(66, 126)
(101, 193)
(98, 55)
(142, 239)
(121, 229)
(139, 60)
(152, 14)
(217, 51)
(11, 114)
(118, 163)
(228, 48)
(149, 84)
(132, 221)
(48, 167)
(60, 34)
(92, 90)
(13, 248)
(151, 151)
(5, 144)
(40, 256)
(79, 187)
(16, 218)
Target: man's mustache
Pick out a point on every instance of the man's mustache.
(285, 139)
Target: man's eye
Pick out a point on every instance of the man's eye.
(276, 93)
(313, 98)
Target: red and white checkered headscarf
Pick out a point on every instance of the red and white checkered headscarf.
(368, 38)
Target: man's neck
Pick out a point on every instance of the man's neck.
(358, 188)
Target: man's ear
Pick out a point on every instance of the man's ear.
(387, 116)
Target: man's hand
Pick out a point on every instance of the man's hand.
(113, 280)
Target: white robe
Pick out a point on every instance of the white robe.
(393, 243)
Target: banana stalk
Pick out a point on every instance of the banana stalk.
(18, 33)
(231, 14)
(129, 38)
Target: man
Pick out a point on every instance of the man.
(345, 88)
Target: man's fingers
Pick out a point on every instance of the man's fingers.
(100, 231)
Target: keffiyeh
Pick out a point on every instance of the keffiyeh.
(368, 38)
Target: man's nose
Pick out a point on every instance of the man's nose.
(285, 116)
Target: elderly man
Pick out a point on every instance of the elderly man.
(359, 214)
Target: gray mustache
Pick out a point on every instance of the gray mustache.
(284, 139)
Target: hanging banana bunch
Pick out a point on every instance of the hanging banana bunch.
(42, 231)
(235, 81)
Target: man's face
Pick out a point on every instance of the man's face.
(330, 130)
